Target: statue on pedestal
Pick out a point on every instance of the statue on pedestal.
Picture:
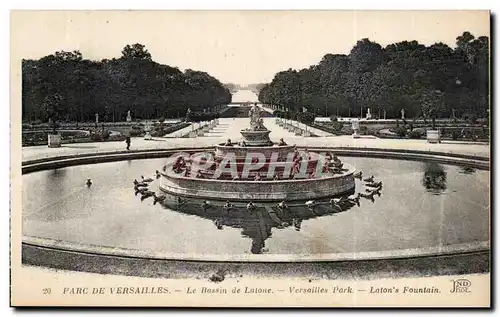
(402, 114)
(254, 114)
(129, 117)
(256, 122)
(368, 114)
(257, 134)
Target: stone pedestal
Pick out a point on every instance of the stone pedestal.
(148, 136)
(433, 136)
(265, 191)
(54, 140)
(256, 138)
(355, 129)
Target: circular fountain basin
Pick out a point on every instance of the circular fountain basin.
(67, 225)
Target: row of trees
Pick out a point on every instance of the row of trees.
(66, 86)
(400, 76)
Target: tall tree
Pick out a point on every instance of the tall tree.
(432, 105)
(136, 51)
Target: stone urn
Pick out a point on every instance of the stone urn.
(148, 133)
(54, 140)
(355, 129)
(433, 136)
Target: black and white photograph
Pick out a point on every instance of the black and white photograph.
(250, 158)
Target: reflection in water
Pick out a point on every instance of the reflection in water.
(58, 173)
(434, 179)
(258, 231)
(258, 222)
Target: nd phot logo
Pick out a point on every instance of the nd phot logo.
(461, 286)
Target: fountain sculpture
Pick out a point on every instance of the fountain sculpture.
(256, 169)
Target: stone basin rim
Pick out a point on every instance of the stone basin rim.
(108, 251)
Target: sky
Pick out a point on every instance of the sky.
(242, 47)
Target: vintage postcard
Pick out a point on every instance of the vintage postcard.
(250, 158)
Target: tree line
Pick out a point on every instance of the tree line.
(436, 80)
(64, 86)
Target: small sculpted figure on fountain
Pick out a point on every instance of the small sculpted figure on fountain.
(179, 164)
(325, 167)
(260, 125)
(282, 205)
(228, 205)
(297, 223)
(254, 115)
(282, 142)
(250, 206)
(296, 166)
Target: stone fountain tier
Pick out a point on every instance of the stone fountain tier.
(256, 137)
(281, 153)
(242, 190)
(267, 172)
